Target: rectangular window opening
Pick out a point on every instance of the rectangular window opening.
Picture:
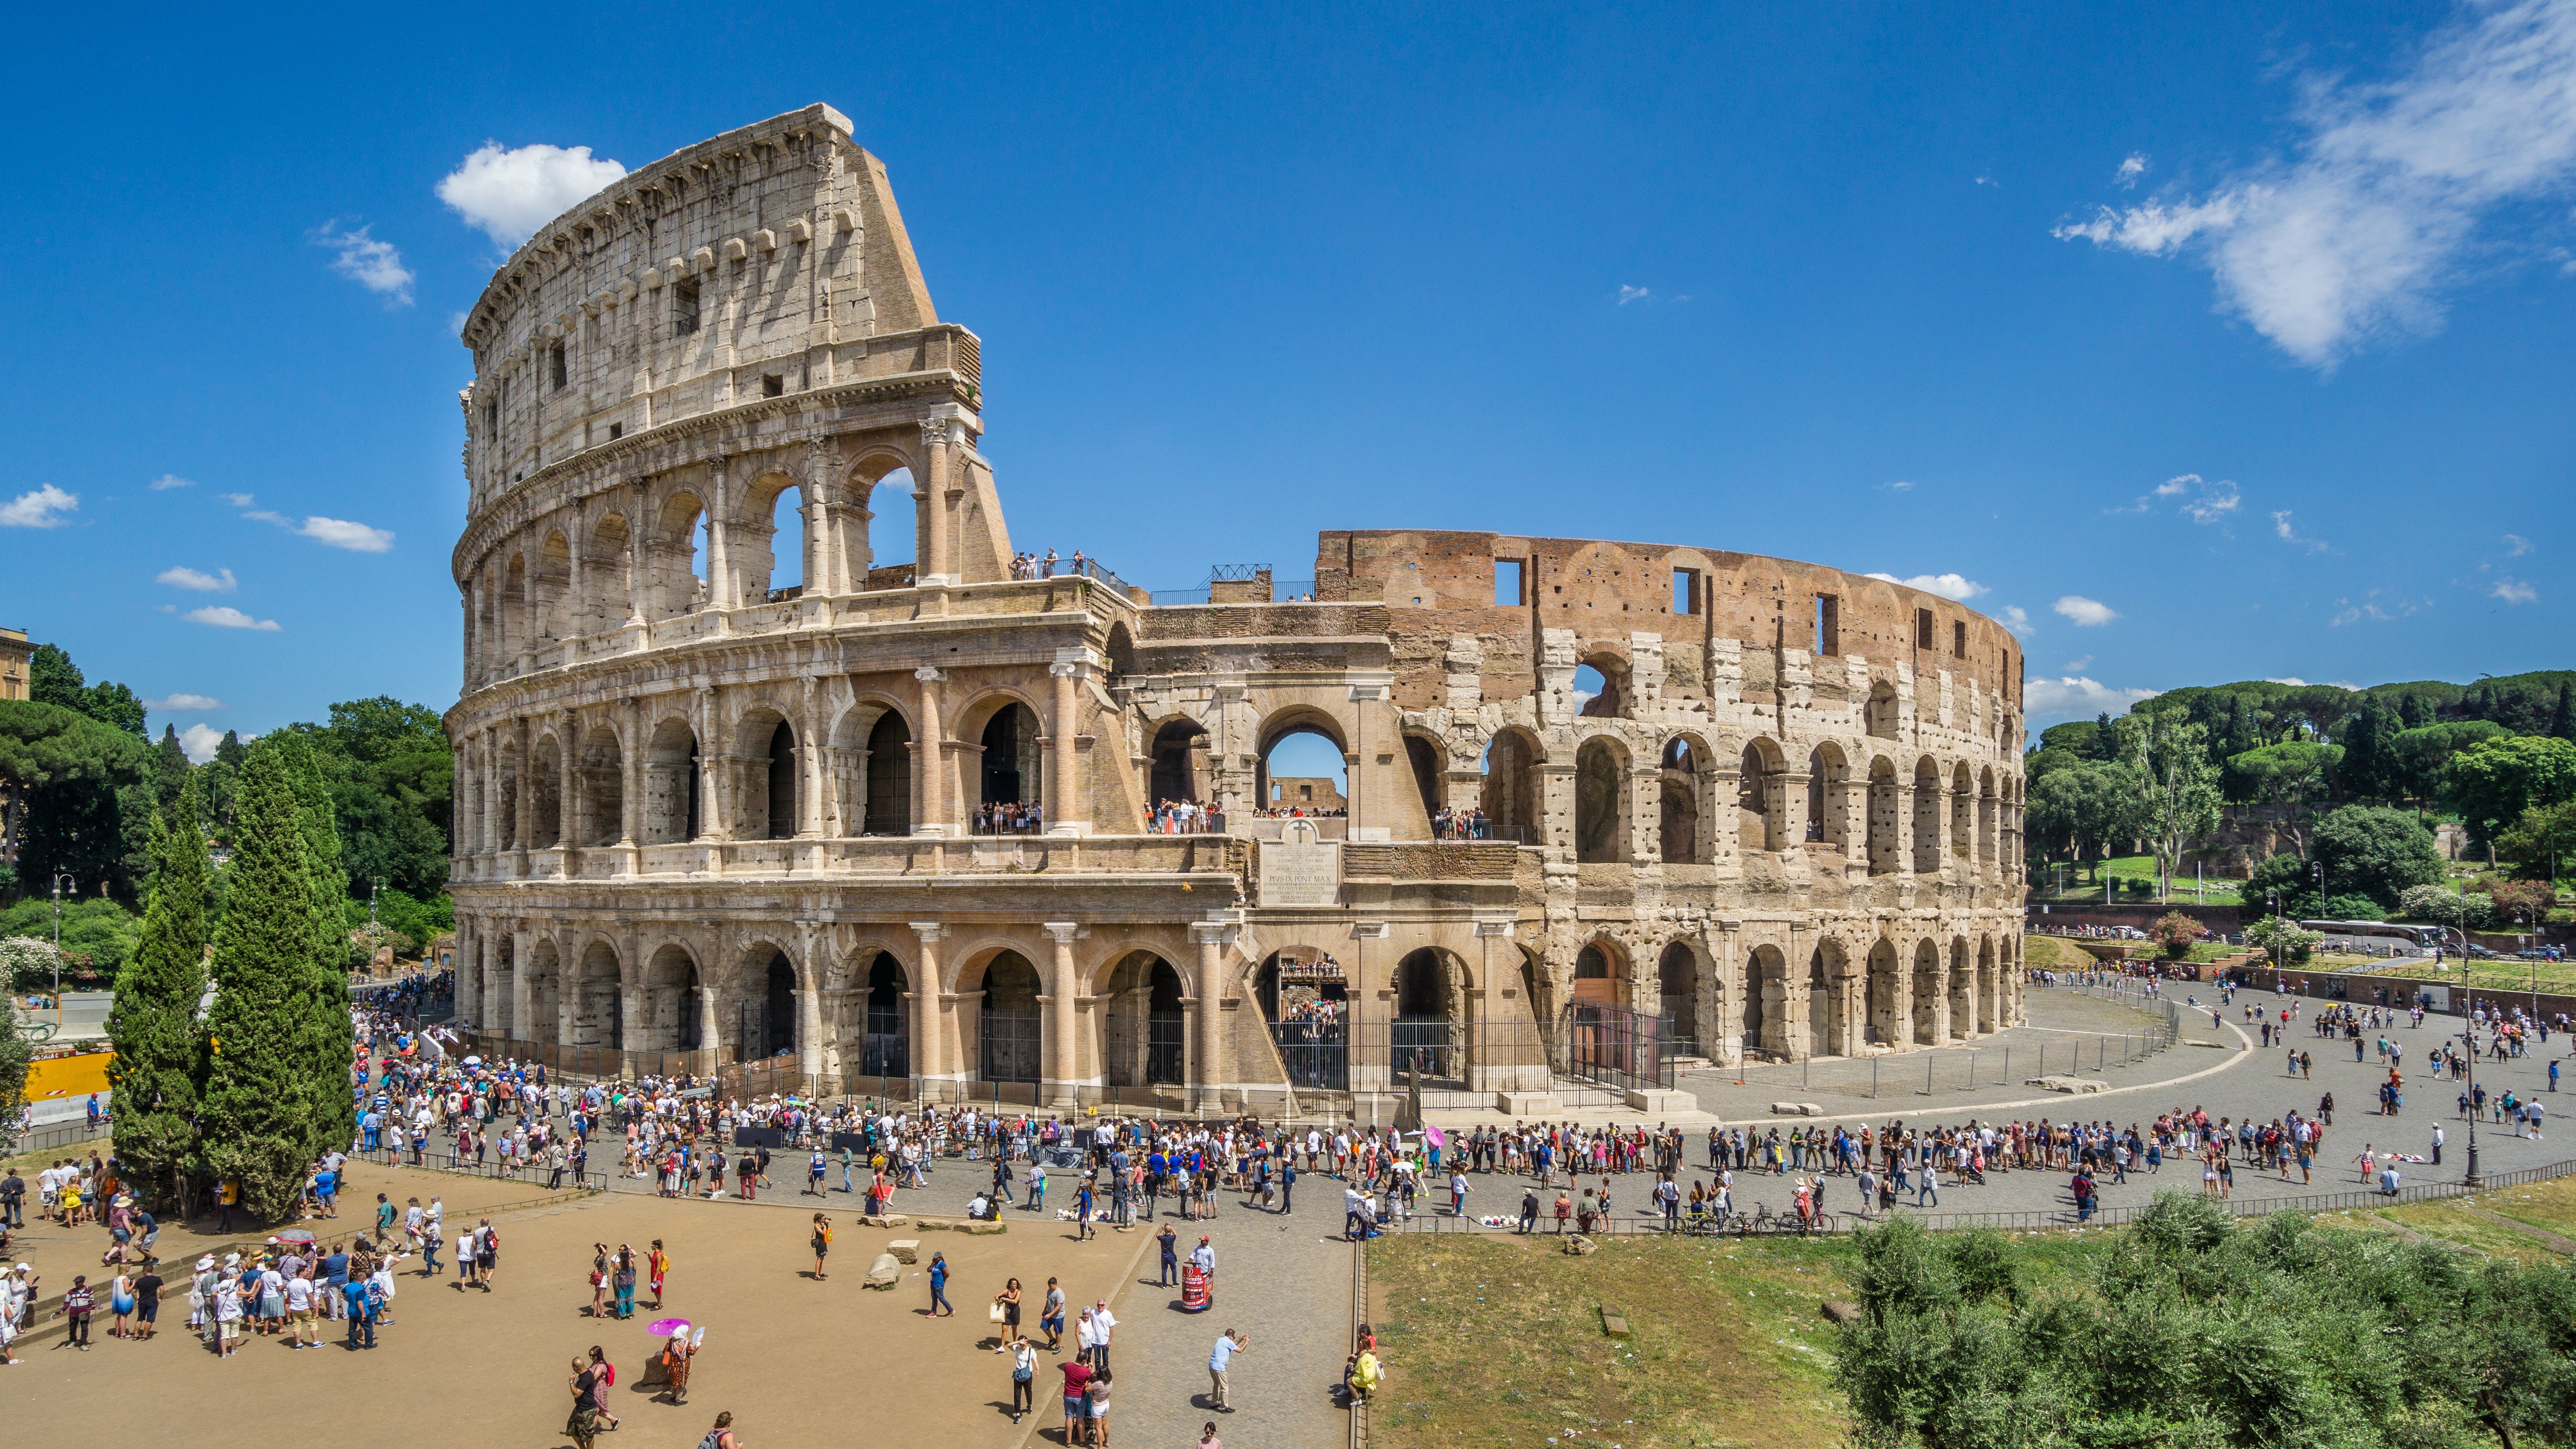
(1686, 596)
(1507, 582)
(684, 309)
(555, 365)
(1923, 628)
(616, 431)
(773, 385)
(1829, 626)
(1959, 639)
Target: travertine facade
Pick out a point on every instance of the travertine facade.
(695, 813)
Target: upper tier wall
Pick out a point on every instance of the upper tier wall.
(1439, 585)
(759, 263)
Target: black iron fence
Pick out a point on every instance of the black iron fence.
(1613, 1046)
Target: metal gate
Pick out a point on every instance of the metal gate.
(1010, 1047)
(1317, 1055)
(1163, 1048)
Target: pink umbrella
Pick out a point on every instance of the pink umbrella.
(1437, 1140)
(665, 1327)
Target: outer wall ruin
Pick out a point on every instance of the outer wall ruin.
(709, 821)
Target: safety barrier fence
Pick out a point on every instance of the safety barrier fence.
(1932, 1070)
(2035, 1220)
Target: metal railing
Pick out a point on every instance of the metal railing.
(2036, 1220)
(55, 1136)
(1974, 1068)
(1613, 1046)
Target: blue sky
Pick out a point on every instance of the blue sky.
(2217, 341)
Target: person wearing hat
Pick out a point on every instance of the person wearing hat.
(675, 1364)
(1101, 1324)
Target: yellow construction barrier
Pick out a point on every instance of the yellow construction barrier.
(74, 1076)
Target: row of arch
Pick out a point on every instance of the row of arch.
(1843, 998)
(756, 1003)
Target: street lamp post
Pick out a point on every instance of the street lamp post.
(59, 880)
(2469, 1035)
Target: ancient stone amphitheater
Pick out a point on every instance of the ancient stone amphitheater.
(1711, 804)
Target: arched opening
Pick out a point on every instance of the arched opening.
(779, 551)
(1304, 769)
(886, 1048)
(1600, 801)
(1682, 764)
(1963, 986)
(515, 623)
(1144, 1024)
(1963, 817)
(1429, 1027)
(1429, 761)
(604, 576)
(768, 1020)
(1766, 1001)
(1988, 1013)
(545, 994)
(1886, 830)
(1677, 975)
(1305, 999)
(1010, 768)
(674, 1004)
(545, 804)
(1756, 808)
(1822, 1006)
(1007, 1023)
(671, 784)
(603, 790)
(1510, 794)
(1826, 797)
(1881, 709)
(1601, 682)
(894, 525)
(1927, 993)
(1177, 747)
(889, 791)
(1886, 989)
(1989, 814)
(780, 805)
(599, 1016)
(678, 557)
(549, 587)
(1927, 817)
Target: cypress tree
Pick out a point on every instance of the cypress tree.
(158, 1072)
(2562, 720)
(258, 1119)
(326, 1016)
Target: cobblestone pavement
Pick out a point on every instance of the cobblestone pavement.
(2237, 1081)
(1283, 1281)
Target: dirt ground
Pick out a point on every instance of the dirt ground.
(797, 1361)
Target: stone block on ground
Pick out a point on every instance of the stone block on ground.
(1528, 1104)
(885, 1272)
(1578, 1245)
(905, 1250)
(1661, 1101)
(2076, 1085)
(1796, 1109)
(1838, 1312)
(981, 1230)
(1613, 1322)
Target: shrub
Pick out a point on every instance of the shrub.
(2446, 908)
(2286, 941)
(2353, 908)
(2176, 932)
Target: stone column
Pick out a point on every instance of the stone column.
(935, 566)
(469, 979)
(524, 827)
(574, 791)
(930, 759)
(1207, 1075)
(488, 965)
(639, 580)
(809, 1002)
(1064, 799)
(809, 765)
(929, 1053)
(630, 784)
(523, 948)
(720, 591)
(1063, 1054)
(715, 817)
(577, 610)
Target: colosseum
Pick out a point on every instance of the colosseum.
(738, 789)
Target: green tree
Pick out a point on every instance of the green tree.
(159, 1069)
(16, 1055)
(83, 797)
(2086, 805)
(170, 767)
(2373, 851)
(2422, 754)
(53, 679)
(2493, 782)
(2539, 843)
(326, 1014)
(2178, 799)
(2283, 882)
(260, 1117)
(2562, 719)
(2290, 774)
(2367, 766)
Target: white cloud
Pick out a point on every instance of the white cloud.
(2281, 527)
(372, 264)
(508, 193)
(199, 741)
(179, 702)
(2291, 680)
(237, 500)
(2515, 591)
(2355, 232)
(2516, 545)
(2379, 606)
(1948, 586)
(43, 508)
(2132, 168)
(1628, 294)
(2075, 696)
(168, 481)
(225, 616)
(183, 577)
(2077, 664)
(2016, 620)
(1988, 181)
(336, 532)
(2203, 501)
(1901, 485)
(2085, 612)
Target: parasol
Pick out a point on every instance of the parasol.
(665, 1327)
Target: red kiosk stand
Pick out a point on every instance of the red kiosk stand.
(1194, 1289)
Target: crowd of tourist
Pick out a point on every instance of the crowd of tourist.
(1186, 817)
(1010, 817)
(1043, 566)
